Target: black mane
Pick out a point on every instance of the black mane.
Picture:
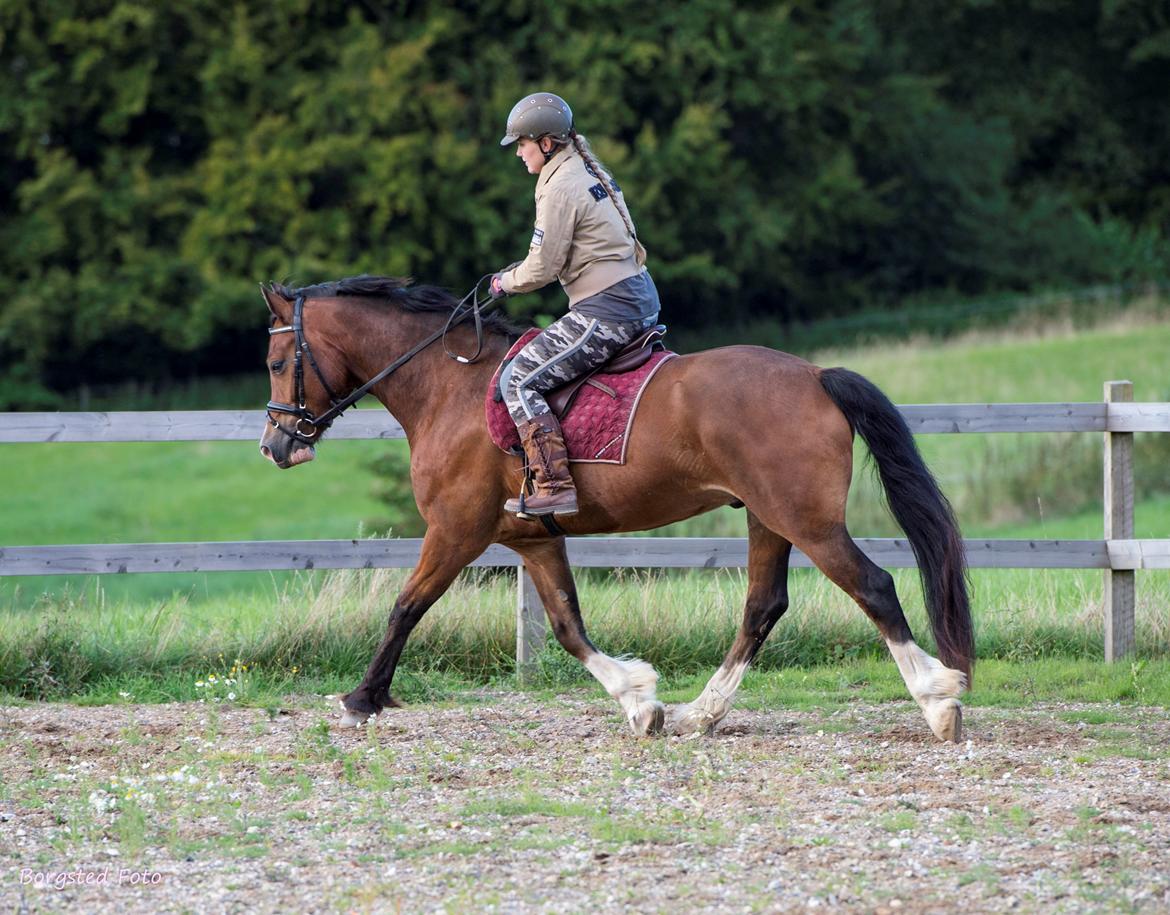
(401, 292)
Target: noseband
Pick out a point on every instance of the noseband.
(308, 428)
(315, 424)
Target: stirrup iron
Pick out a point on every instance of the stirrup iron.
(526, 486)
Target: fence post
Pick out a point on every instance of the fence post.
(1119, 583)
(530, 622)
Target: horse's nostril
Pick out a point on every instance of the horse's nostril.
(266, 451)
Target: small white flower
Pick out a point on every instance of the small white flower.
(231, 696)
(100, 801)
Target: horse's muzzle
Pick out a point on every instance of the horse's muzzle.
(286, 452)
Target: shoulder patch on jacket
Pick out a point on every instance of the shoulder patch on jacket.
(537, 238)
(598, 192)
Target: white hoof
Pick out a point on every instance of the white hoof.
(946, 720)
(649, 719)
(688, 719)
(351, 719)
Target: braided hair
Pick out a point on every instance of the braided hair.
(598, 171)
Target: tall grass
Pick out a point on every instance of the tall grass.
(327, 626)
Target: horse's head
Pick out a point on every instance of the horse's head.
(310, 383)
(303, 383)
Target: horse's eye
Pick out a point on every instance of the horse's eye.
(277, 366)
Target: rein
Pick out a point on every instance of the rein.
(318, 424)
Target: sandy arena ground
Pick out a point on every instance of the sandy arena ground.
(518, 803)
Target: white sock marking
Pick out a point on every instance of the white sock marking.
(631, 681)
(926, 677)
(714, 702)
(935, 687)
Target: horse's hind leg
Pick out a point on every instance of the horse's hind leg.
(767, 599)
(934, 686)
(631, 681)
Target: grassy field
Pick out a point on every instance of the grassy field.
(317, 632)
(1025, 478)
(138, 493)
(1002, 485)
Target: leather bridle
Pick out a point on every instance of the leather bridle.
(308, 427)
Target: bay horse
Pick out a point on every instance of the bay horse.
(738, 424)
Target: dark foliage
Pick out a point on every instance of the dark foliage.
(785, 160)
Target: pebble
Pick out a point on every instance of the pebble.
(776, 807)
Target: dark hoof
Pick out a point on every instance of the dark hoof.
(358, 707)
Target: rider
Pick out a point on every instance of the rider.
(585, 238)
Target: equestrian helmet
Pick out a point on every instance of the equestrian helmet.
(541, 114)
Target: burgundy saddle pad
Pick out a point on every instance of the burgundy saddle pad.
(597, 426)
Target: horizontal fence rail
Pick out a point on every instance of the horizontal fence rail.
(176, 426)
(1117, 553)
(584, 552)
(246, 425)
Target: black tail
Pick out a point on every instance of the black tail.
(919, 507)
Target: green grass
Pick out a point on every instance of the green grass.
(152, 636)
(188, 491)
(127, 492)
(999, 683)
(934, 319)
(528, 803)
(318, 632)
(1051, 363)
(229, 392)
(1022, 478)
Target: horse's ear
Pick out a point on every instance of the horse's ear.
(278, 305)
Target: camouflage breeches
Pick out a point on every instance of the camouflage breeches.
(567, 349)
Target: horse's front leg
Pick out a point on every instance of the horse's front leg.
(441, 559)
(631, 681)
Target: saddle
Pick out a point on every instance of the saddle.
(633, 355)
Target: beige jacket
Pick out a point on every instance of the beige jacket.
(579, 238)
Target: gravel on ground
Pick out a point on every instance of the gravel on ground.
(524, 803)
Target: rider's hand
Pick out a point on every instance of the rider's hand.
(496, 287)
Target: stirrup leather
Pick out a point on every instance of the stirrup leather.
(527, 485)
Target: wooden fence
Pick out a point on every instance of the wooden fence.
(1118, 553)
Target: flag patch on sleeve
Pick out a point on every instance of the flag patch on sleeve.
(537, 238)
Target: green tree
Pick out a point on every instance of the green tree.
(788, 159)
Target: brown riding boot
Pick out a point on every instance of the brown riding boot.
(549, 459)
